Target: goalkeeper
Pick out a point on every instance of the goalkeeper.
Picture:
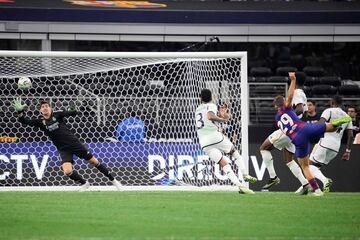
(53, 125)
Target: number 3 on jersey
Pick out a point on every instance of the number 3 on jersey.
(199, 121)
(286, 123)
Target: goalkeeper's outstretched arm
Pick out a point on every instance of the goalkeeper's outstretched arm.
(27, 121)
(20, 108)
(71, 111)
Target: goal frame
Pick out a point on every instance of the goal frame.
(242, 55)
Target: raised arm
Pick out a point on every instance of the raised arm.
(291, 89)
(20, 108)
(27, 121)
(71, 111)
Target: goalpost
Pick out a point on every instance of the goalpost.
(160, 88)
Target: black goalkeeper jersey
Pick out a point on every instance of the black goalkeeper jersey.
(56, 129)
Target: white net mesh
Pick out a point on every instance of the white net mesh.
(161, 92)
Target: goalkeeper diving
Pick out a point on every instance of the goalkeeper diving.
(53, 125)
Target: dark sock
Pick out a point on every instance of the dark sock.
(313, 184)
(76, 177)
(105, 171)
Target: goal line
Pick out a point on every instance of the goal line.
(125, 188)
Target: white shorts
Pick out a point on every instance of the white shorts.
(280, 141)
(322, 155)
(216, 150)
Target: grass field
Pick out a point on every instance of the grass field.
(178, 215)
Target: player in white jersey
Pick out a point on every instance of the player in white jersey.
(328, 147)
(215, 144)
(280, 141)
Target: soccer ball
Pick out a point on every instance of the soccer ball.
(24, 83)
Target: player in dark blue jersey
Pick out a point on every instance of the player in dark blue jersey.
(53, 125)
(300, 132)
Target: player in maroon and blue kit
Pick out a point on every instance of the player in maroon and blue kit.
(300, 132)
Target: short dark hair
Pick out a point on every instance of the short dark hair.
(351, 106)
(42, 102)
(337, 100)
(312, 101)
(206, 95)
(300, 78)
(279, 101)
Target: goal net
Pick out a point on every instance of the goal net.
(158, 91)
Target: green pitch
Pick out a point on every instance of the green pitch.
(178, 215)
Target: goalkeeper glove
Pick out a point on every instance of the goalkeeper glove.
(19, 107)
(72, 109)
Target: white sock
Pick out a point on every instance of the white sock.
(239, 162)
(269, 163)
(296, 170)
(231, 175)
(318, 174)
(318, 190)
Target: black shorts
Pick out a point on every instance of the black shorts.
(83, 152)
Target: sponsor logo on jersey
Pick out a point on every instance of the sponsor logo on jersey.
(52, 126)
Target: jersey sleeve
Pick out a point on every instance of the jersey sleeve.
(326, 115)
(350, 125)
(212, 108)
(299, 98)
(31, 122)
(305, 101)
(62, 114)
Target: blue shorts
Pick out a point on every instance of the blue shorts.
(302, 139)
